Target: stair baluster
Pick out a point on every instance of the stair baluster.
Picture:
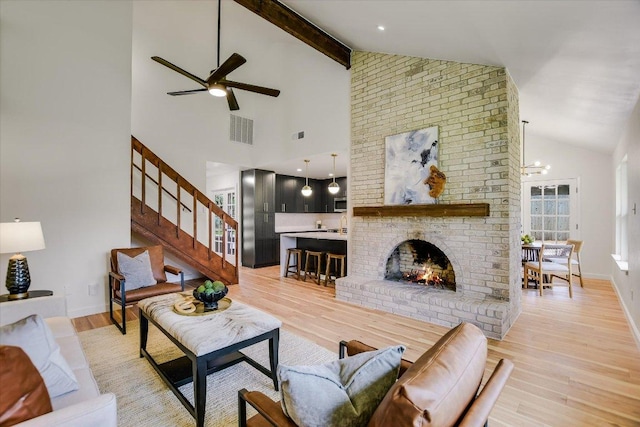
(160, 229)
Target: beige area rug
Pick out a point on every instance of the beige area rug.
(144, 399)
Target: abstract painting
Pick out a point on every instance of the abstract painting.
(408, 159)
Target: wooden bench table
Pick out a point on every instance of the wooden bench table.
(210, 342)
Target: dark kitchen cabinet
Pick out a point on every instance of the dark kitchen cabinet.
(259, 239)
(311, 204)
(288, 196)
(327, 201)
(342, 182)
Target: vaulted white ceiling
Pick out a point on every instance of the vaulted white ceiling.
(576, 63)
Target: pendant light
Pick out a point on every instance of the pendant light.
(306, 190)
(334, 187)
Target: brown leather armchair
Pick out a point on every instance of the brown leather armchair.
(439, 389)
(117, 284)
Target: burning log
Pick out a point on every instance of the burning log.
(427, 277)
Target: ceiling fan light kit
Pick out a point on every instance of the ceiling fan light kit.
(334, 187)
(217, 90)
(217, 84)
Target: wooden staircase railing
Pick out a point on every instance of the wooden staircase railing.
(168, 210)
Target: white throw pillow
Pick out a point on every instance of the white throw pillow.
(34, 337)
(136, 271)
(342, 393)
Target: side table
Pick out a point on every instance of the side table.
(45, 303)
(32, 294)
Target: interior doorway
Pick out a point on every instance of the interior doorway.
(225, 199)
(551, 210)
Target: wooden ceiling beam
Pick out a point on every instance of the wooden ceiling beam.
(288, 20)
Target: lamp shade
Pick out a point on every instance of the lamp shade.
(17, 237)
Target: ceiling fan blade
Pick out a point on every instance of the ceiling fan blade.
(231, 99)
(186, 92)
(179, 70)
(233, 62)
(251, 88)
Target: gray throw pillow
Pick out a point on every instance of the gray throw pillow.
(33, 335)
(342, 393)
(136, 271)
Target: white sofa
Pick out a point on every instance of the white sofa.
(85, 406)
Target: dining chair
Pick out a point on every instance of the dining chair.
(529, 254)
(536, 270)
(575, 262)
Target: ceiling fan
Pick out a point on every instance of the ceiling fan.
(217, 84)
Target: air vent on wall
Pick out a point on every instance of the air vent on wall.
(241, 129)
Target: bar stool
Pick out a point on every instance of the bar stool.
(313, 267)
(297, 262)
(336, 258)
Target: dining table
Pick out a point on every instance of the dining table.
(530, 251)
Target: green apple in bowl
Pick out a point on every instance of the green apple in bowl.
(210, 293)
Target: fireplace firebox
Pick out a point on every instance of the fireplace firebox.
(422, 263)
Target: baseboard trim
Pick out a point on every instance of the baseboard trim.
(627, 314)
(86, 311)
(597, 276)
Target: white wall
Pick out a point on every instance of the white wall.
(223, 182)
(65, 80)
(628, 285)
(595, 194)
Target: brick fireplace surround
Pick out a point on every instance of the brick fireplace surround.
(476, 110)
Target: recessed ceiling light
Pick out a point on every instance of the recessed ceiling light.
(381, 27)
(298, 170)
(330, 174)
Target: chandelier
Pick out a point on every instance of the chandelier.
(535, 168)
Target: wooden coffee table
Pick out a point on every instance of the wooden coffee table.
(210, 342)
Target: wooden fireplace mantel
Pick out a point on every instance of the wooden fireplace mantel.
(454, 209)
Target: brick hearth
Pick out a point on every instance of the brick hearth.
(426, 303)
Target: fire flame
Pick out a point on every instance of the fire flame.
(428, 276)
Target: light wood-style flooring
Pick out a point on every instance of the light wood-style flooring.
(576, 362)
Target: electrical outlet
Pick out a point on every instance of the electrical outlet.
(93, 289)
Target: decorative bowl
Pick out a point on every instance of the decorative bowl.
(210, 300)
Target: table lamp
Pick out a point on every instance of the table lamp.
(17, 237)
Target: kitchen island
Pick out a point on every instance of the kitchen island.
(323, 241)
